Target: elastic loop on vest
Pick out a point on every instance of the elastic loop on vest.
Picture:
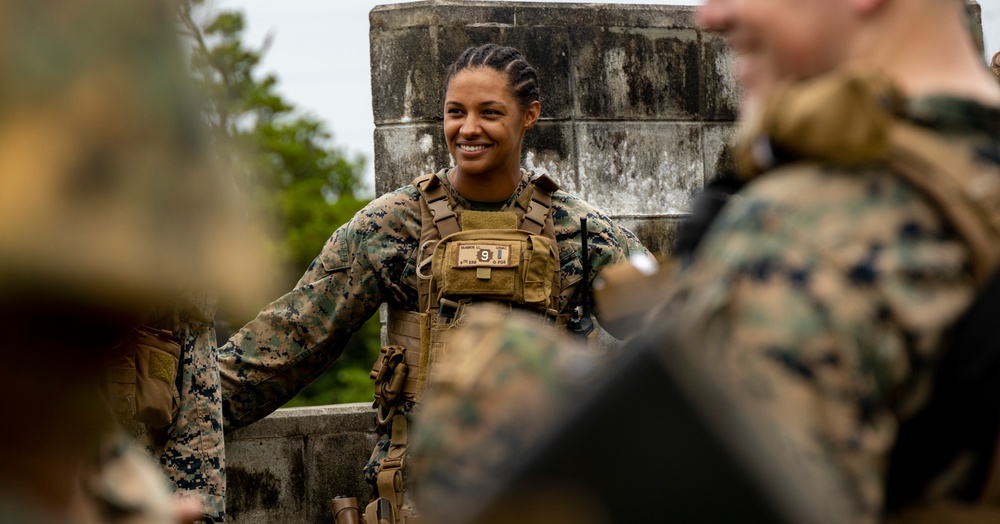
(422, 264)
(380, 419)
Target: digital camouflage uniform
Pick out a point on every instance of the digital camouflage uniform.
(191, 449)
(194, 454)
(826, 294)
(822, 295)
(368, 261)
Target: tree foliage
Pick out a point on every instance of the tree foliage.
(287, 162)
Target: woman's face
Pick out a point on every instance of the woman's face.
(484, 123)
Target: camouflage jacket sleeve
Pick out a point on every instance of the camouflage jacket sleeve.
(296, 337)
(822, 295)
(607, 243)
(193, 456)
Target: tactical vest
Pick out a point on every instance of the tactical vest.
(464, 256)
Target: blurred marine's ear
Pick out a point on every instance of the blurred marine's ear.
(975, 21)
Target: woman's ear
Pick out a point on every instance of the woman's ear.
(531, 115)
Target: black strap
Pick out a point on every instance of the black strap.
(707, 206)
(962, 416)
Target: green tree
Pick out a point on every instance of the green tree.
(287, 162)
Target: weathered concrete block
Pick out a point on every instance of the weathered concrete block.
(651, 168)
(402, 68)
(716, 142)
(637, 74)
(720, 93)
(658, 234)
(266, 479)
(548, 149)
(286, 467)
(404, 152)
(443, 12)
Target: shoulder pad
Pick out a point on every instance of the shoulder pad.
(427, 181)
(545, 183)
(840, 119)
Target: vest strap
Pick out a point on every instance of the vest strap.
(966, 194)
(540, 207)
(441, 207)
(390, 479)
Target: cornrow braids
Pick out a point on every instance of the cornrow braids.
(521, 77)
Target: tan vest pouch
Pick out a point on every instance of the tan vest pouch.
(499, 264)
(142, 380)
(440, 339)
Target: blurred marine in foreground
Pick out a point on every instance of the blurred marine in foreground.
(832, 334)
(109, 209)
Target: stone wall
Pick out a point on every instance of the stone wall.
(636, 104)
(286, 467)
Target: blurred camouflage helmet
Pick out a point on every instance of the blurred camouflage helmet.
(106, 188)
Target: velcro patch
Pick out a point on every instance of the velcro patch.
(162, 366)
(484, 255)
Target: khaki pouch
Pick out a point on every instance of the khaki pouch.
(500, 264)
(142, 380)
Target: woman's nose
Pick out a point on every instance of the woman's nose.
(470, 126)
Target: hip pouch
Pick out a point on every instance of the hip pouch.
(508, 265)
(142, 380)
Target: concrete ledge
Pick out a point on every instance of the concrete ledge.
(286, 467)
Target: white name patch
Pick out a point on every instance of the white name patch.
(484, 255)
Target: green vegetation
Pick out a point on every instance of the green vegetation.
(289, 165)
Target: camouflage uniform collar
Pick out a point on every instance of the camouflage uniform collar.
(519, 194)
(953, 115)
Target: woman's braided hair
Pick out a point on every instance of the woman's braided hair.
(521, 77)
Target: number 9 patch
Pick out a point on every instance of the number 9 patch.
(484, 255)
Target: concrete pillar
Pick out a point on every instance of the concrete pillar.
(636, 102)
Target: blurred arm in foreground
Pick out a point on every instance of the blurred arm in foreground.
(109, 210)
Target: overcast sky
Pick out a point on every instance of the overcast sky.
(319, 53)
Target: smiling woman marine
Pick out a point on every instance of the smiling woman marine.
(483, 230)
